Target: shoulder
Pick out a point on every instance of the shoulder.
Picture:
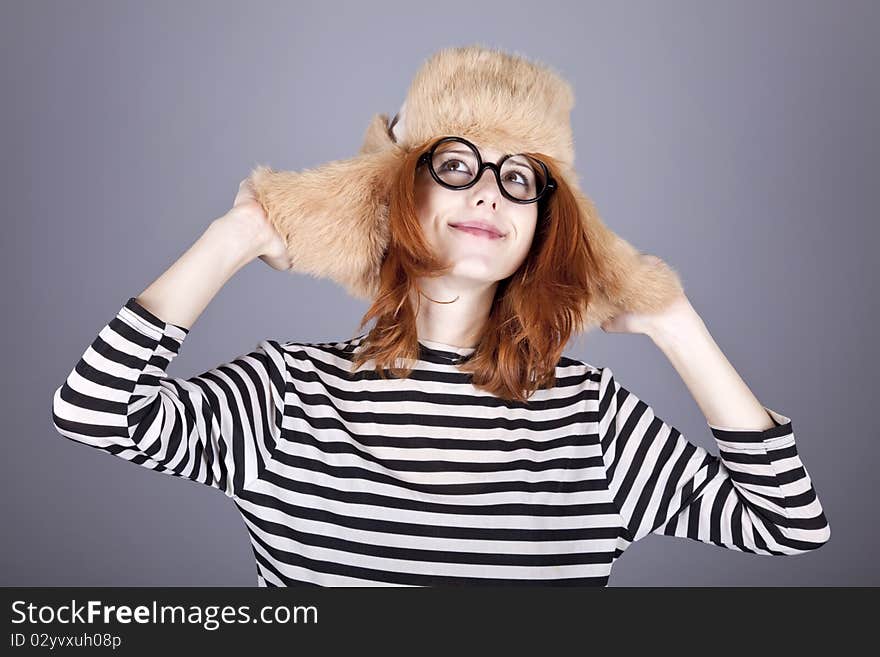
(333, 352)
(578, 371)
(346, 344)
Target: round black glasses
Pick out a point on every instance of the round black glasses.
(456, 163)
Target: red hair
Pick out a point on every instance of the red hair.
(535, 310)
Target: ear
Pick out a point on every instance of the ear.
(626, 282)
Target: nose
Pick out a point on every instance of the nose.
(486, 187)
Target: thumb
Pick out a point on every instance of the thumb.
(245, 192)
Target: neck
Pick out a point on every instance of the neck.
(452, 315)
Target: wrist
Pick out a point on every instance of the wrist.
(679, 324)
(236, 247)
(228, 247)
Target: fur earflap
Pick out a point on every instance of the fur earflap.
(334, 217)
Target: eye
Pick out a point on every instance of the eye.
(526, 179)
(447, 168)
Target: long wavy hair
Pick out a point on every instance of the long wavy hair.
(534, 312)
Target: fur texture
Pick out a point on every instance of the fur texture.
(334, 217)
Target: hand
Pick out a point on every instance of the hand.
(249, 220)
(399, 129)
(675, 314)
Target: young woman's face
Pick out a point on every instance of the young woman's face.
(475, 255)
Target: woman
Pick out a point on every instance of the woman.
(474, 463)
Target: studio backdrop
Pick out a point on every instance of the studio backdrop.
(737, 141)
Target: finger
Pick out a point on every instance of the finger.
(245, 191)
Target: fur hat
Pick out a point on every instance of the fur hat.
(334, 217)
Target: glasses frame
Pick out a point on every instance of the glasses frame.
(428, 158)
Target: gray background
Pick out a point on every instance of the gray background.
(736, 140)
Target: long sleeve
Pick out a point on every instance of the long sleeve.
(755, 496)
(217, 428)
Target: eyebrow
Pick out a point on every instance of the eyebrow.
(460, 149)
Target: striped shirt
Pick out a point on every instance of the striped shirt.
(348, 479)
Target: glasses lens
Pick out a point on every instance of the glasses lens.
(456, 164)
(523, 177)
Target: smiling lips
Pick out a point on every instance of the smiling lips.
(478, 229)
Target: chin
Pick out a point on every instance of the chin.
(475, 273)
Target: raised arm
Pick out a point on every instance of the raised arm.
(215, 428)
(754, 496)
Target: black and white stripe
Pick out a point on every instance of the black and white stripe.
(756, 496)
(347, 479)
